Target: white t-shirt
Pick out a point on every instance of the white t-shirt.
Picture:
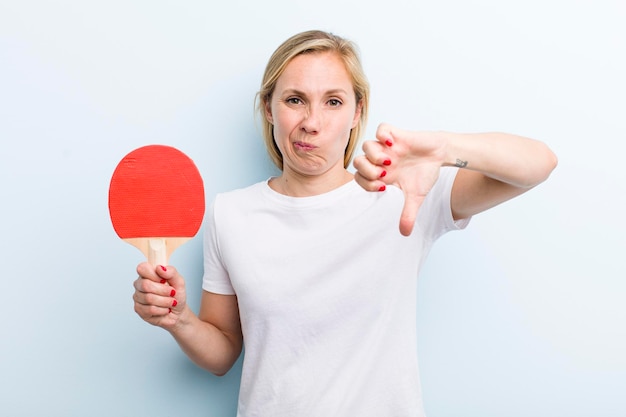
(327, 290)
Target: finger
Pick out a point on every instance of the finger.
(147, 271)
(146, 286)
(151, 304)
(368, 170)
(153, 293)
(367, 185)
(147, 307)
(176, 283)
(155, 304)
(149, 311)
(384, 134)
(171, 276)
(161, 280)
(412, 204)
(376, 153)
(154, 298)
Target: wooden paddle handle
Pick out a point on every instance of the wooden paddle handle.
(157, 252)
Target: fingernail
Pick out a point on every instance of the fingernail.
(163, 281)
(172, 293)
(387, 162)
(382, 174)
(388, 142)
(382, 188)
(163, 268)
(174, 303)
(170, 310)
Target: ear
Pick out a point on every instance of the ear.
(357, 113)
(268, 111)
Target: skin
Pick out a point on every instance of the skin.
(496, 167)
(313, 109)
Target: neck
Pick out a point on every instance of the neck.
(307, 186)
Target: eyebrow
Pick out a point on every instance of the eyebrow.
(302, 93)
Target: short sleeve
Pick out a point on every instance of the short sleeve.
(216, 278)
(435, 215)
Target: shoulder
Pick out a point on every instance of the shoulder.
(240, 195)
(244, 191)
(226, 204)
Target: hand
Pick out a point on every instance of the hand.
(160, 296)
(409, 160)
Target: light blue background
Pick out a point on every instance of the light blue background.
(521, 315)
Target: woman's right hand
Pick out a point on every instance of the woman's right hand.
(160, 297)
(213, 339)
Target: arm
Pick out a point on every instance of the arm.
(495, 167)
(212, 339)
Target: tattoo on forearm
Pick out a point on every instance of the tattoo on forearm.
(460, 164)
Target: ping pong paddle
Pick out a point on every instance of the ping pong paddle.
(156, 201)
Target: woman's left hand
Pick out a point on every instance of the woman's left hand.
(409, 160)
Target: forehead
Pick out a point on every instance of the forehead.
(315, 69)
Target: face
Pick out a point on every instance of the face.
(313, 108)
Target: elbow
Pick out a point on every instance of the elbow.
(544, 162)
(549, 164)
(220, 370)
(221, 373)
(223, 366)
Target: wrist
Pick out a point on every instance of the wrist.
(453, 156)
(184, 321)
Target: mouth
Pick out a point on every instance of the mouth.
(303, 146)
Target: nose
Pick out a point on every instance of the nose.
(311, 121)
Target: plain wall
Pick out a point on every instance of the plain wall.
(521, 314)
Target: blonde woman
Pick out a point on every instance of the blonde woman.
(316, 269)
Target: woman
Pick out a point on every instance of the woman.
(309, 267)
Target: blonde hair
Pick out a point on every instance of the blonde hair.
(313, 41)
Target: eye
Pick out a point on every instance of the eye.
(333, 102)
(293, 100)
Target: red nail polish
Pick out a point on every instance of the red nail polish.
(387, 162)
(382, 174)
(388, 142)
(170, 310)
(174, 303)
(163, 268)
(163, 281)
(382, 188)
(172, 293)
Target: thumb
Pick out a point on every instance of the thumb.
(412, 204)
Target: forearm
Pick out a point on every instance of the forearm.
(512, 159)
(206, 345)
